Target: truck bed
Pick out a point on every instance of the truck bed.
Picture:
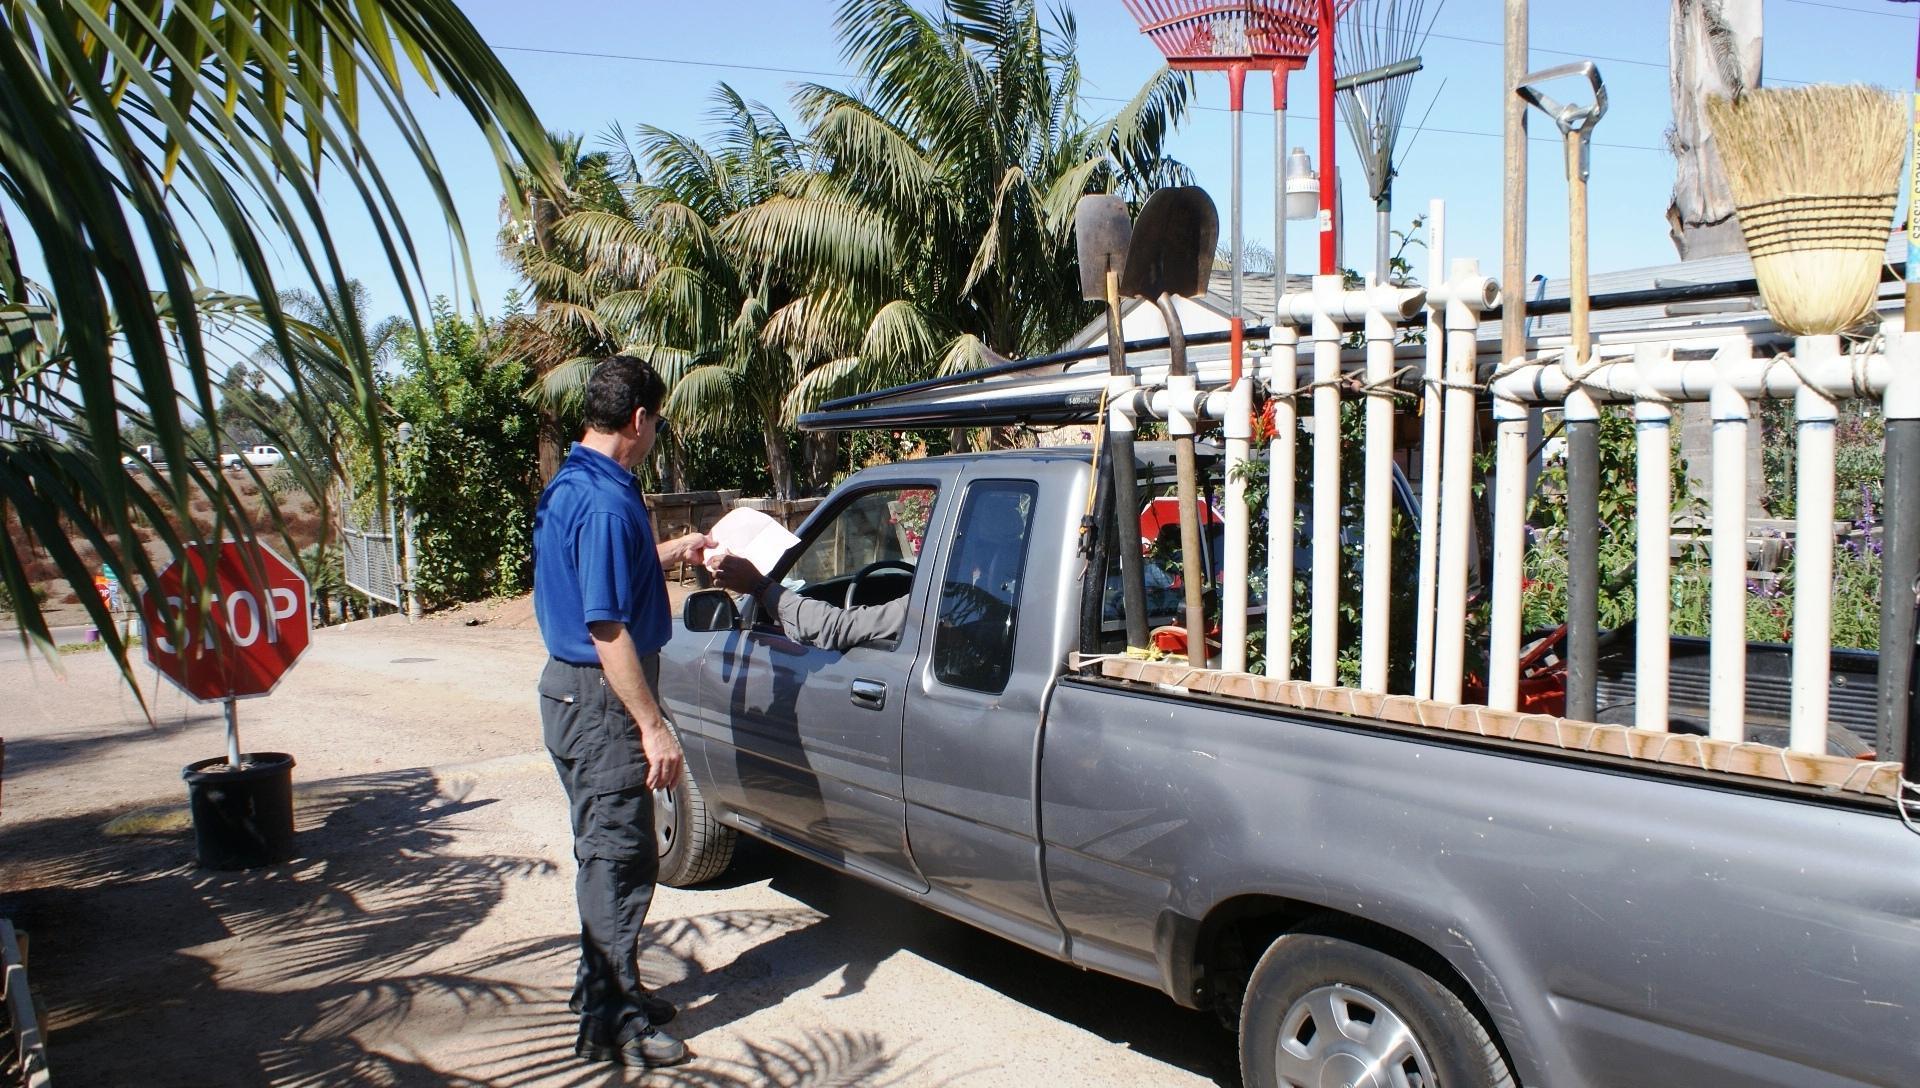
(1617, 927)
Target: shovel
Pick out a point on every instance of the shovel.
(1582, 414)
(1102, 229)
(1171, 254)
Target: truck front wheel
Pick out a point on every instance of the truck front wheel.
(694, 847)
(1322, 1010)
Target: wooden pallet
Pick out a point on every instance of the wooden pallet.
(1751, 760)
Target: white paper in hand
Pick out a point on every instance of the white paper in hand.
(753, 536)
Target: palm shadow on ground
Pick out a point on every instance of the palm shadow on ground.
(332, 968)
(852, 927)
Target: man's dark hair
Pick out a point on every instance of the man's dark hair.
(618, 385)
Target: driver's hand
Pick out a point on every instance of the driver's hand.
(734, 573)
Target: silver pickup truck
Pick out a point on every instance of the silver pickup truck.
(1371, 904)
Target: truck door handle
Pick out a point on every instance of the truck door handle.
(871, 694)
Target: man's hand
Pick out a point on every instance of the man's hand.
(664, 758)
(691, 548)
(735, 574)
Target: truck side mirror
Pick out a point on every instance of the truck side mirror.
(710, 610)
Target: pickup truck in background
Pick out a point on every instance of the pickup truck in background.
(257, 456)
(1367, 902)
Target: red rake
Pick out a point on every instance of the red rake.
(1196, 35)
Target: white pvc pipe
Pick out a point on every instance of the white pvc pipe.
(1376, 569)
(1323, 652)
(1727, 626)
(1509, 553)
(1733, 366)
(1816, 415)
(1467, 293)
(1430, 456)
(1283, 364)
(1238, 426)
(1653, 432)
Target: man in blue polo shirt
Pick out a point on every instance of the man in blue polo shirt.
(600, 595)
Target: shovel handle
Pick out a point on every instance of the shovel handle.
(1568, 116)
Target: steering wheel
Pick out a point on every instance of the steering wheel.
(859, 576)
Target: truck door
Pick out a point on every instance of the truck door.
(808, 739)
(974, 720)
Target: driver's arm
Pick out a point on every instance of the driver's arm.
(815, 623)
(818, 623)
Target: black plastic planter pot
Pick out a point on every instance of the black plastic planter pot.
(242, 818)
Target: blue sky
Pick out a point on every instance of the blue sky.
(586, 66)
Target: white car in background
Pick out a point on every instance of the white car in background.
(262, 456)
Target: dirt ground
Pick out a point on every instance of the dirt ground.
(424, 935)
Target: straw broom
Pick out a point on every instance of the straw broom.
(1814, 173)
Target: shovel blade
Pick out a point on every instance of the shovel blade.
(1102, 229)
(1173, 243)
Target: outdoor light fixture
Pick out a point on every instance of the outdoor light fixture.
(1303, 186)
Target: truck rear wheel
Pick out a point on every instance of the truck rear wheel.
(694, 847)
(1321, 1010)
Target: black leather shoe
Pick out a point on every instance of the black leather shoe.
(651, 1049)
(660, 1011)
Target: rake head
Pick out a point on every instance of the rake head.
(1207, 34)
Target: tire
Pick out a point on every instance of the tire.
(694, 847)
(1322, 1010)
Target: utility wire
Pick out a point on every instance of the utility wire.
(1856, 11)
(1296, 115)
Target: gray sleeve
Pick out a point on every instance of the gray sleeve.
(818, 623)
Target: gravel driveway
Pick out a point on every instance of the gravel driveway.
(424, 934)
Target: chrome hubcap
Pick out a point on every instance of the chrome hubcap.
(1341, 1037)
(666, 820)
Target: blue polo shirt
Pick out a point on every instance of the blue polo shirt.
(594, 558)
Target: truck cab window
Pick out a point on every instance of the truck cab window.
(866, 553)
(979, 599)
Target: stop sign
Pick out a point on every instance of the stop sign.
(255, 627)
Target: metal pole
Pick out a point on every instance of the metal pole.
(1238, 426)
(1282, 376)
(1900, 562)
(1329, 177)
(233, 733)
(1900, 565)
(1279, 192)
(1383, 233)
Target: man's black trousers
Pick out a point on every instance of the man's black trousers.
(596, 749)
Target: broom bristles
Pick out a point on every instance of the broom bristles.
(1814, 173)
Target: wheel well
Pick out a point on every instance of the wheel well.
(1238, 931)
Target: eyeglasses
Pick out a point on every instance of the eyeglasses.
(659, 427)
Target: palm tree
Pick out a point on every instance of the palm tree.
(937, 234)
(711, 307)
(133, 130)
(564, 284)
